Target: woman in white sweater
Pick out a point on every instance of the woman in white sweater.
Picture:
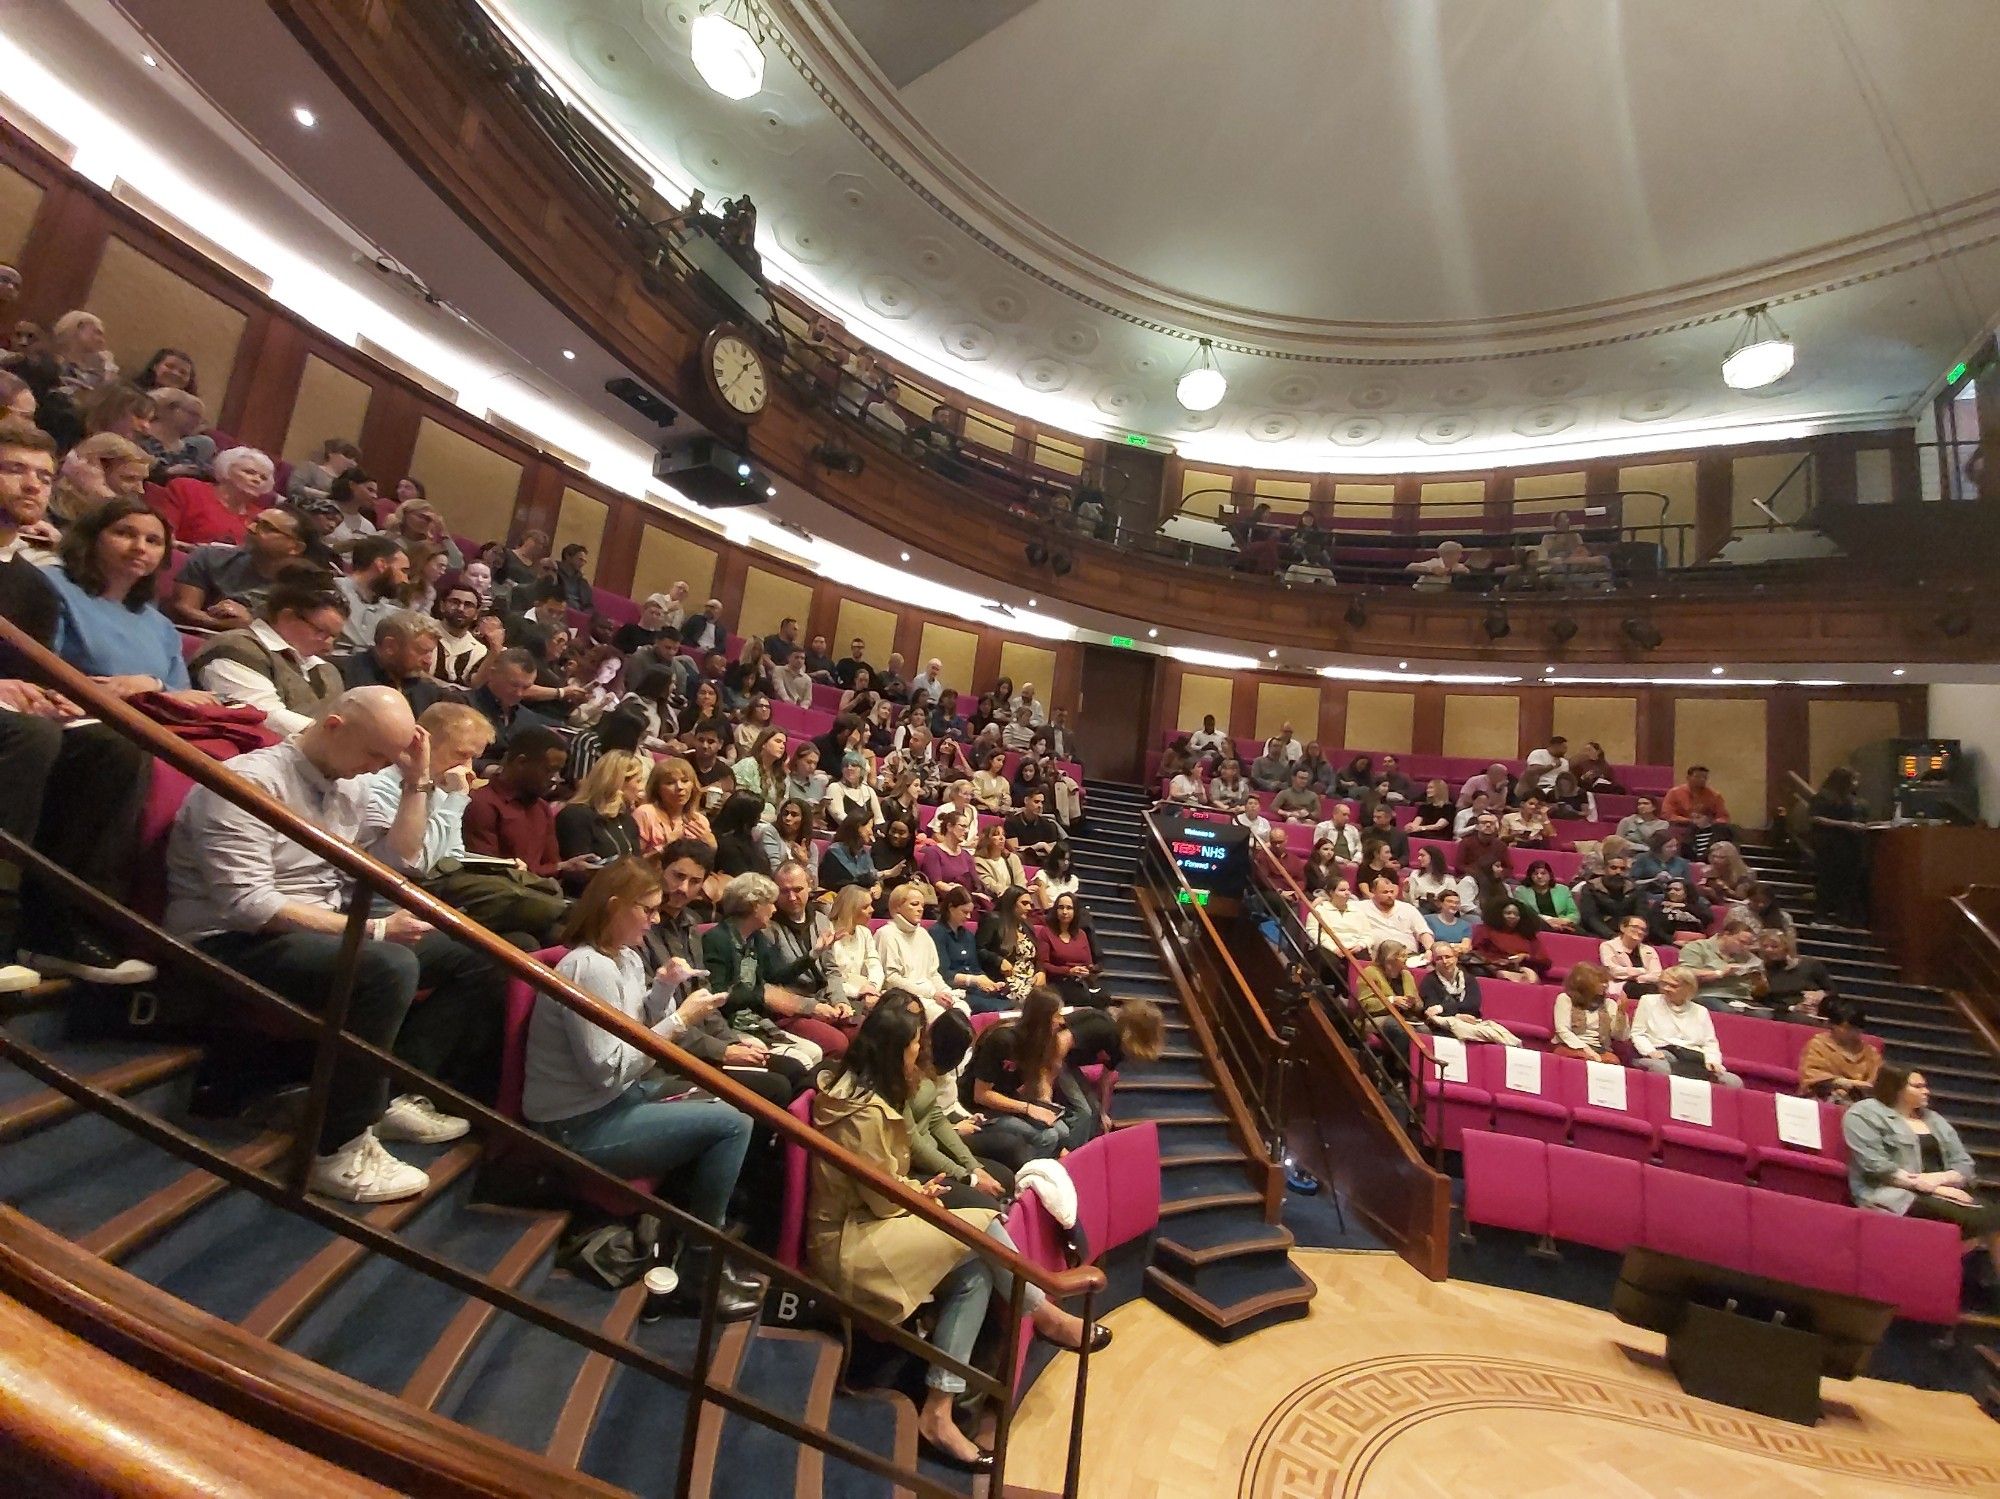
(1670, 1022)
(850, 952)
(909, 956)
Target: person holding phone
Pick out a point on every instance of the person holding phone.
(603, 1098)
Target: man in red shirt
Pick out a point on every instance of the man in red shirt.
(1692, 796)
(510, 816)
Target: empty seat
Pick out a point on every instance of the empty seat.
(1449, 1109)
(1132, 1176)
(1543, 1115)
(1715, 1149)
(1627, 1132)
(1595, 1199)
(1506, 1182)
(1911, 1263)
(798, 1176)
(1697, 1217)
(1807, 1243)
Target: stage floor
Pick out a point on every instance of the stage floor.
(1398, 1388)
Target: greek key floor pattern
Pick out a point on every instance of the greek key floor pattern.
(1397, 1388)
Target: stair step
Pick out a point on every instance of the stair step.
(635, 1441)
(1161, 1106)
(881, 1422)
(791, 1372)
(1259, 1296)
(1198, 1140)
(26, 1106)
(1196, 1241)
(1170, 1068)
(586, 1395)
(152, 1216)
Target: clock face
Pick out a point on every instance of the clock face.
(738, 373)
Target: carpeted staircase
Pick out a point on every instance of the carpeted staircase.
(281, 1278)
(1217, 1264)
(1919, 1025)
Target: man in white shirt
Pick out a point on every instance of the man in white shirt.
(374, 584)
(930, 681)
(1025, 698)
(1469, 815)
(1544, 765)
(1208, 740)
(1390, 918)
(1288, 744)
(1495, 782)
(790, 682)
(1338, 830)
(1671, 1021)
(276, 665)
(250, 897)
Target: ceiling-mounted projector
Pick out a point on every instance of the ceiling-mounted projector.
(712, 474)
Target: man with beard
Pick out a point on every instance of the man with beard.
(1606, 899)
(462, 644)
(377, 575)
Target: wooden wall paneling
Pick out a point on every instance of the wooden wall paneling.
(1427, 722)
(20, 203)
(1499, 511)
(1066, 681)
(1243, 705)
(769, 597)
(1713, 504)
(986, 660)
(1730, 736)
(1023, 662)
(1332, 717)
(1482, 725)
(477, 489)
(825, 613)
(60, 258)
(147, 303)
(1280, 702)
(1537, 720)
(581, 518)
(874, 626)
(327, 401)
(1787, 742)
(1378, 721)
(265, 385)
(732, 566)
(388, 441)
(1654, 728)
(537, 499)
(1201, 694)
(1612, 719)
(624, 527)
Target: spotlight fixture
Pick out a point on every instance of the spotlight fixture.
(1495, 624)
(1761, 355)
(1038, 553)
(1897, 672)
(569, 353)
(304, 116)
(1201, 386)
(728, 51)
(1563, 631)
(1356, 615)
(1061, 564)
(1641, 632)
(1715, 671)
(1153, 634)
(905, 556)
(149, 60)
(1272, 653)
(1955, 623)
(835, 459)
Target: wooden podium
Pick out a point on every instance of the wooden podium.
(1914, 873)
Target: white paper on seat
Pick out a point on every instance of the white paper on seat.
(1524, 1070)
(1605, 1085)
(1690, 1100)
(1798, 1121)
(1450, 1054)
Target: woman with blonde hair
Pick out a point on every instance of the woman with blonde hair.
(99, 468)
(1727, 879)
(428, 565)
(598, 821)
(671, 809)
(83, 353)
(997, 866)
(850, 952)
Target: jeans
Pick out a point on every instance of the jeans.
(961, 1299)
(453, 1035)
(76, 795)
(639, 1134)
(1014, 1141)
(1663, 1065)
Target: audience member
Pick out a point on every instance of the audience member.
(277, 665)
(590, 1091)
(510, 816)
(1840, 849)
(1639, 826)
(1065, 951)
(1839, 1063)
(1695, 795)
(1551, 902)
(1587, 1019)
(1633, 966)
(246, 894)
(1605, 899)
(1795, 988)
(1670, 1033)
(1483, 847)
(1449, 995)
(313, 479)
(1905, 1158)
(378, 572)
(107, 625)
(740, 956)
(1508, 944)
(219, 586)
(1724, 966)
(1387, 989)
(402, 656)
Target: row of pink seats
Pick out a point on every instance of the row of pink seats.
(1763, 1052)
(1535, 1187)
(1739, 1142)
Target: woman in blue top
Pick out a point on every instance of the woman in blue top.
(109, 627)
(1662, 863)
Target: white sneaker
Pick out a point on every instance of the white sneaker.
(18, 978)
(412, 1118)
(362, 1171)
(95, 964)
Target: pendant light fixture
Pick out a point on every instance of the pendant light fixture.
(1761, 354)
(727, 49)
(1201, 386)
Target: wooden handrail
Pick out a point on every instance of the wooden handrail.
(51, 669)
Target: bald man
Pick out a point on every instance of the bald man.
(274, 911)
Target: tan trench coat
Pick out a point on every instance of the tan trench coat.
(872, 1251)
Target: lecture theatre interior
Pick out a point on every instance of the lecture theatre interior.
(883, 749)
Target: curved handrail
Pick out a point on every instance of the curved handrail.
(215, 776)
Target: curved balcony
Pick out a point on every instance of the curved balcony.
(448, 91)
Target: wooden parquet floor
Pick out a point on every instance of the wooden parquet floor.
(1396, 1388)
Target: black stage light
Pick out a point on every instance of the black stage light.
(1641, 632)
(1495, 624)
(1563, 630)
(1955, 623)
(1038, 553)
(1357, 614)
(836, 459)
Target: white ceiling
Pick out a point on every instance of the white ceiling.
(1438, 232)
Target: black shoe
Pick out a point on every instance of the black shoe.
(980, 1464)
(84, 955)
(736, 1300)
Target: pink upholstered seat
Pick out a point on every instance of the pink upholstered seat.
(1450, 1109)
(1595, 1199)
(1715, 1149)
(1696, 1217)
(1911, 1263)
(1807, 1243)
(798, 1177)
(1506, 1182)
(1628, 1133)
(1132, 1183)
(1542, 1116)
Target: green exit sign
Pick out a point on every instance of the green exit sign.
(1136, 439)
(1194, 897)
(1124, 640)
(1957, 374)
